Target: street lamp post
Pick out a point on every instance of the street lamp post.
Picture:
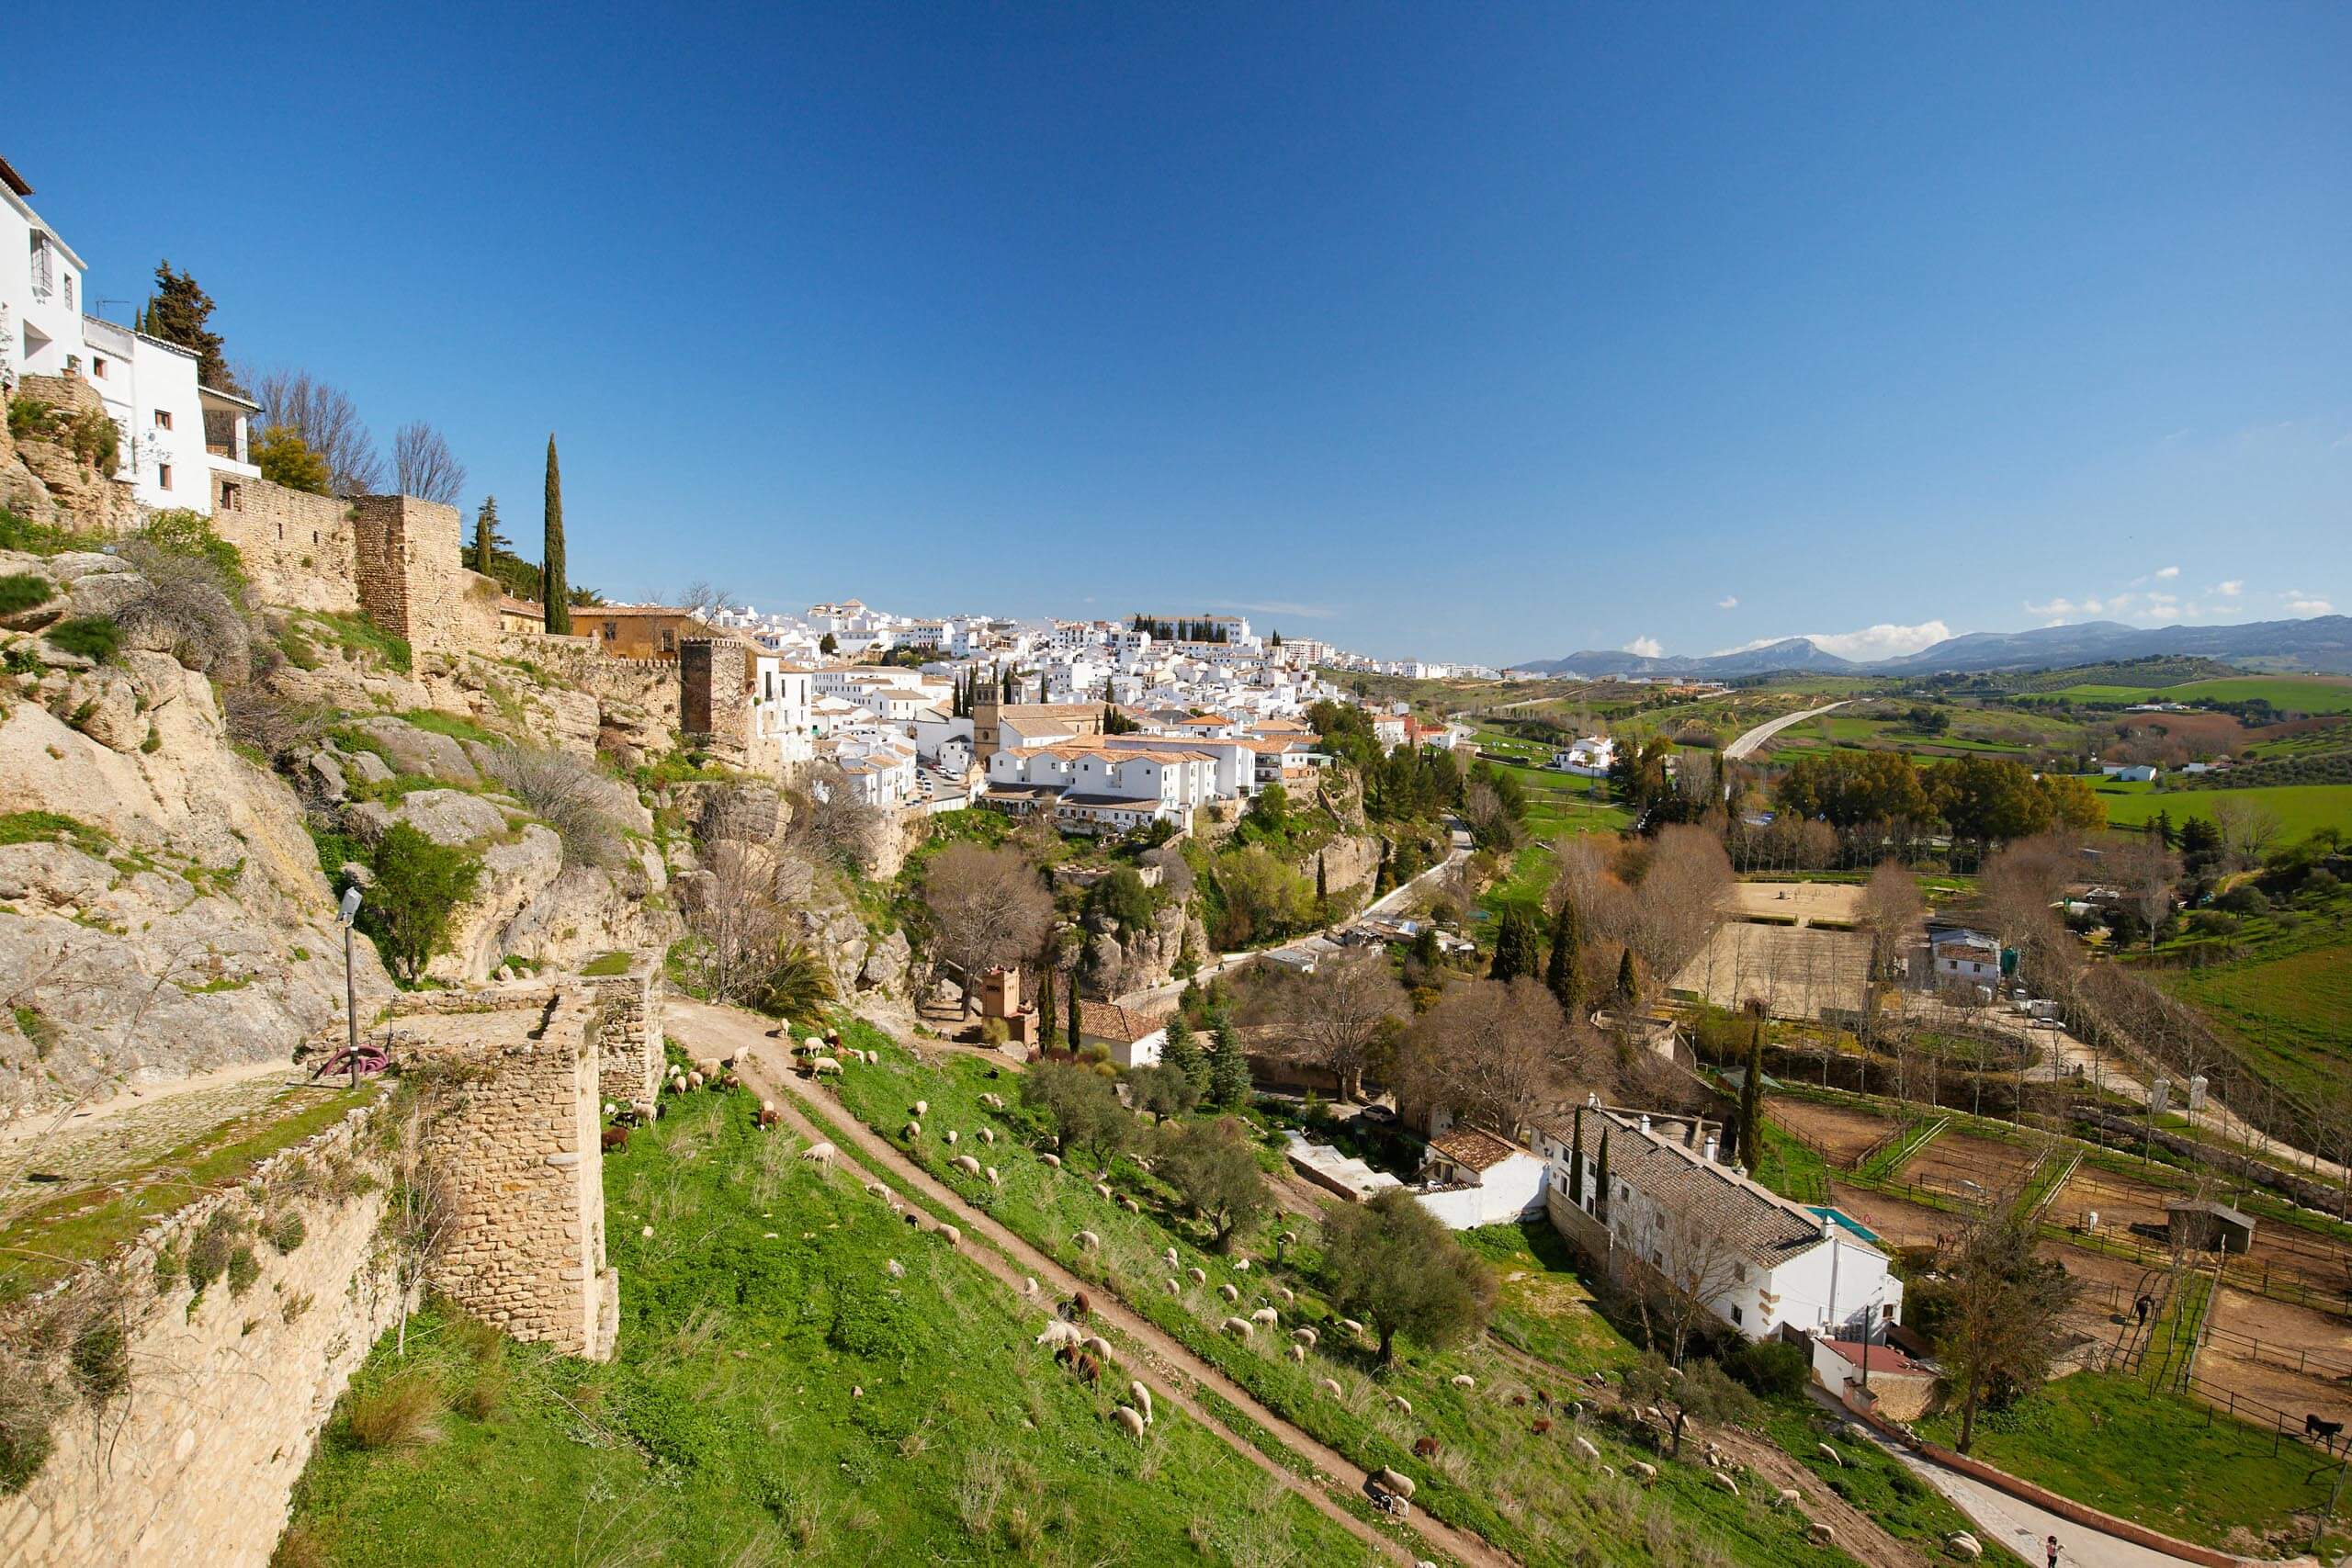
(344, 915)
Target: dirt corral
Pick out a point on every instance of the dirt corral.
(1796, 971)
(2095, 1323)
(1842, 1134)
(1897, 1223)
(2287, 1257)
(1970, 1167)
(2291, 1359)
(1799, 901)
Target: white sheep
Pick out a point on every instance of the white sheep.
(1241, 1265)
(1052, 1161)
(966, 1164)
(1403, 1403)
(1102, 1188)
(1352, 1327)
(993, 1101)
(1096, 1346)
(910, 1132)
(1239, 1326)
(1265, 1318)
(824, 1066)
(896, 1269)
(1199, 1276)
(1142, 1396)
(922, 1108)
(1306, 1337)
(1287, 1294)
(1463, 1380)
(954, 1237)
(987, 1134)
(1228, 1293)
(1087, 1241)
(994, 1180)
(693, 1080)
(1129, 1204)
(1129, 1420)
(1298, 1353)
(1395, 1482)
(1331, 1387)
(951, 1137)
(1056, 1334)
(811, 1044)
(1170, 1256)
(611, 1109)
(821, 1153)
(1173, 1288)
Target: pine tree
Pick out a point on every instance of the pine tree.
(181, 313)
(1629, 981)
(1229, 1070)
(1601, 1180)
(1183, 1051)
(1564, 974)
(1576, 1161)
(554, 594)
(486, 539)
(1076, 1024)
(1514, 947)
(1751, 1093)
(2163, 826)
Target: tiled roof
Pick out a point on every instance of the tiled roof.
(1765, 1229)
(1122, 1025)
(1473, 1147)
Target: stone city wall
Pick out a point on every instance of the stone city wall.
(714, 697)
(196, 1462)
(628, 1034)
(520, 1146)
(411, 578)
(298, 548)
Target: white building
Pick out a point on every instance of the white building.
(1588, 757)
(1757, 1260)
(1472, 1178)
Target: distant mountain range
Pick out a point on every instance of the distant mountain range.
(2321, 643)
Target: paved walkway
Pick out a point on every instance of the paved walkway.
(1770, 728)
(763, 1064)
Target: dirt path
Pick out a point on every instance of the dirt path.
(763, 1064)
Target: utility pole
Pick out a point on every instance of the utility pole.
(344, 915)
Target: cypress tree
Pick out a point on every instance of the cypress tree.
(1601, 1180)
(1229, 1071)
(1563, 975)
(1576, 1161)
(1183, 1051)
(1046, 1020)
(1629, 980)
(1075, 1022)
(1751, 1093)
(1514, 947)
(553, 592)
(1322, 884)
(485, 533)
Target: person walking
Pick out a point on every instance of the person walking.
(2050, 1547)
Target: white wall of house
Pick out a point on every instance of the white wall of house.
(43, 289)
(149, 387)
(1505, 1193)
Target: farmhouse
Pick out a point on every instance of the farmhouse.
(1472, 1178)
(1758, 1261)
(1133, 1036)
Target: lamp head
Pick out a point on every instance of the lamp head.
(349, 909)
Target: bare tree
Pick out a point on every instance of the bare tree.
(1892, 912)
(738, 910)
(329, 423)
(2247, 830)
(571, 794)
(706, 603)
(420, 1210)
(1336, 1016)
(1698, 1263)
(1677, 902)
(424, 466)
(1493, 1054)
(987, 909)
(830, 823)
(2145, 870)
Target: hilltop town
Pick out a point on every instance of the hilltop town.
(491, 1071)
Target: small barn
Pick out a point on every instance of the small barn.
(2207, 1225)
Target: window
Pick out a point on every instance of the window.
(229, 494)
(98, 361)
(1735, 1317)
(69, 290)
(162, 475)
(162, 417)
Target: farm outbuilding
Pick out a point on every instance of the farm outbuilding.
(2206, 1225)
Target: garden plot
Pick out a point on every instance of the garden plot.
(1842, 1133)
(1971, 1169)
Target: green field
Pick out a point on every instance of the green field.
(2287, 1002)
(2301, 808)
(2296, 694)
(777, 1396)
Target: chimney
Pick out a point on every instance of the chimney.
(1645, 1121)
(1710, 1154)
(1826, 1225)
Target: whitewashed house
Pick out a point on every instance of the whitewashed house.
(1758, 1260)
(1472, 1178)
(1588, 757)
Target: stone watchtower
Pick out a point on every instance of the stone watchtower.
(410, 561)
(715, 697)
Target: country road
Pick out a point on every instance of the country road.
(1172, 1370)
(1765, 731)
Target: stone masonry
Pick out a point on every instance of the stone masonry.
(411, 576)
(522, 1152)
(628, 1035)
(197, 1461)
(714, 697)
(300, 549)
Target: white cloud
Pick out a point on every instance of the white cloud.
(1884, 640)
(1646, 647)
(2169, 571)
(2297, 603)
(1728, 601)
(2231, 589)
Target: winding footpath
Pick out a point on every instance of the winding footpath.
(1167, 1367)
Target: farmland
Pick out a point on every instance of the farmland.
(2286, 693)
(2302, 809)
(2285, 997)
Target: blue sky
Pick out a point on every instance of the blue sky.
(1474, 331)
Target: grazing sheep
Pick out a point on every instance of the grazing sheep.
(992, 1100)
(1128, 1419)
(1129, 1204)
(1790, 1497)
(1173, 1288)
(1584, 1447)
(1832, 1455)
(1265, 1318)
(1028, 1284)
(1395, 1482)
(1077, 1309)
(1102, 1188)
(954, 1237)
(813, 1046)
(821, 1153)
(771, 1118)
(1087, 1241)
(1228, 1293)
(1239, 1326)
(616, 1139)
(987, 1134)
(693, 1080)
(1542, 1426)
(676, 1085)
(611, 1109)
(1306, 1337)
(912, 1131)
(1463, 1380)
(896, 1269)
(994, 1180)
(879, 1190)
(1352, 1327)
(1170, 1258)
(1053, 1162)
(1241, 1265)
(1331, 1386)
(824, 1066)
(1142, 1396)
(1425, 1448)
(922, 1108)
(1518, 1400)
(1403, 1403)
(645, 1110)
(1097, 1346)
(1199, 1276)
(730, 1082)
(966, 1164)
(1059, 1334)
(1287, 1294)
(1298, 1353)
(1723, 1481)
(951, 1137)
(1641, 1472)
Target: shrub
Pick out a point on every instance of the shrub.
(28, 1404)
(243, 1269)
(191, 596)
(87, 637)
(209, 1248)
(571, 795)
(21, 590)
(1771, 1368)
(403, 1414)
(284, 459)
(486, 1392)
(101, 1358)
(419, 885)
